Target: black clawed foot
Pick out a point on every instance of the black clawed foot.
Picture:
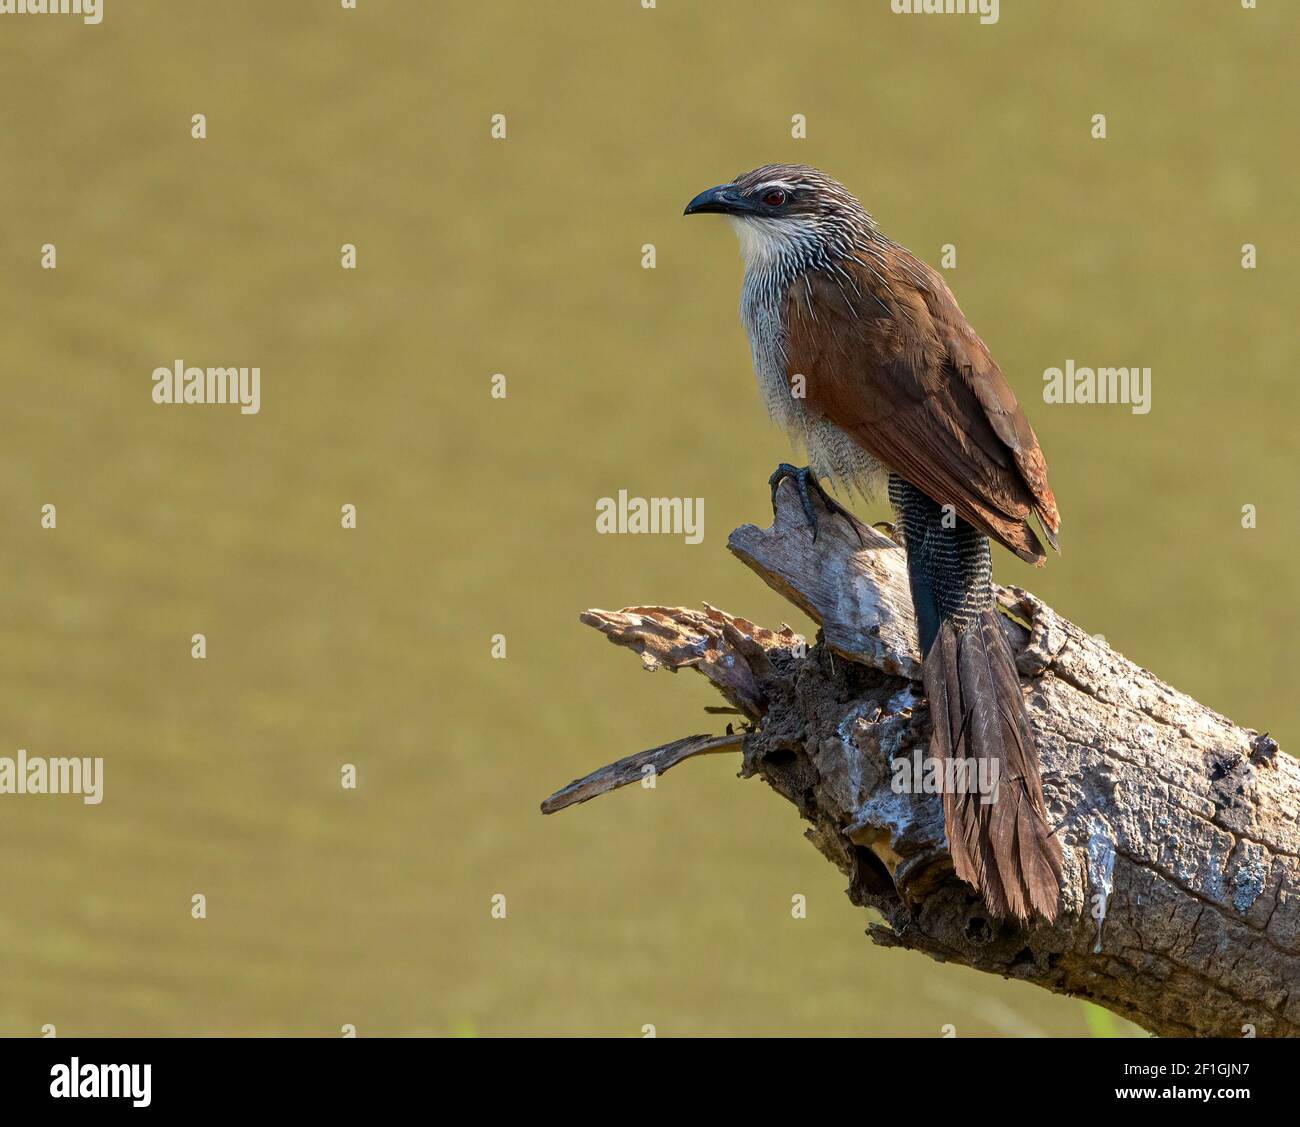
(808, 485)
(800, 477)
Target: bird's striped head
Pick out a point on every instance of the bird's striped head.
(785, 210)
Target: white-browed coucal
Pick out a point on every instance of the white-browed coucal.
(863, 355)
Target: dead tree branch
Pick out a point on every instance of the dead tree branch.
(1181, 831)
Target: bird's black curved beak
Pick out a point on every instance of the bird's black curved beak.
(723, 200)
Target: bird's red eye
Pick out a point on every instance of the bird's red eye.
(774, 198)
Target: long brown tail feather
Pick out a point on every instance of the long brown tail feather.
(1005, 848)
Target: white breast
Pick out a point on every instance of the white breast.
(831, 452)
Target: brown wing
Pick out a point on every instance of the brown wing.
(889, 358)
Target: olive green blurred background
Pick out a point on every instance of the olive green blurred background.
(668, 907)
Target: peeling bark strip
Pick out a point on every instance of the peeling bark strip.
(635, 768)
(1181, 831)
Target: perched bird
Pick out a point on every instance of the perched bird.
(863, 355)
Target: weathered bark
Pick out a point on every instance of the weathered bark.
(1181, 831)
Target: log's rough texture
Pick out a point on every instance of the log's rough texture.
(1180, 830)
